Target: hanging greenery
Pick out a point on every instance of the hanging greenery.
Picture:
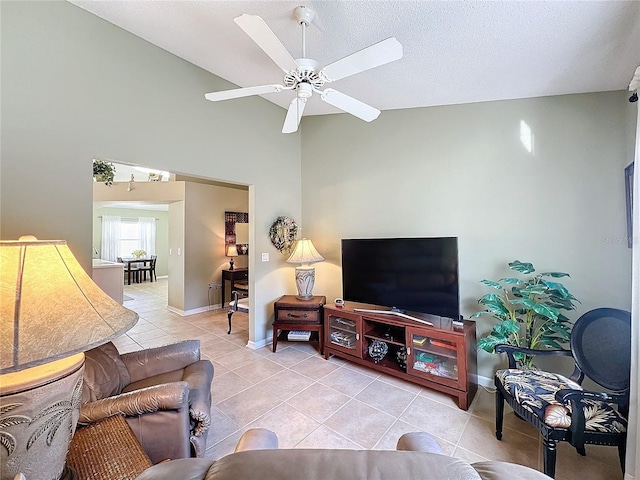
(104, 171)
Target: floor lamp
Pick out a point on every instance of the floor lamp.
(305, 254)
(50, 312)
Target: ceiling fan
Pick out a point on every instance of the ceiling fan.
(302, 75)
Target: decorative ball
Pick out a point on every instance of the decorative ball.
(377, 350)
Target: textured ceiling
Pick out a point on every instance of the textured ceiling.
(454, 51)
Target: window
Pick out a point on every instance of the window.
(129, 237)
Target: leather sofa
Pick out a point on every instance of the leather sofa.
(256, 457)
(164, 393)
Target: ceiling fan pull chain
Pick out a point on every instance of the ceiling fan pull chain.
(304, 39)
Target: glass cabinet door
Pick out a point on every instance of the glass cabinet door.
(433, 356)
(343, 334)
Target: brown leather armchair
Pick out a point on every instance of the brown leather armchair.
(164, 393)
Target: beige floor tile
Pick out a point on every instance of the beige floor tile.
(290, 425)
(238, 357)
(226, 386)
(484, 406)
(515, 447)
(288, 356)
(571, 465)
(439, 397)
(158, 341)
(219, 349)
(248, 405)
(386, 397)
(224, 447)
(467, 456)
(346, 381)
(285, 384)
(436, 418)
(324, 437)
(258, 370)
(221, 427)
(369, 428)
(318, 401)
(389, 440)
(314, 367)
(146, 335)
(400, 383)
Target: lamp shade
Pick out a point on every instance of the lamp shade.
(232, 250)
(50, 308)
(304, 253)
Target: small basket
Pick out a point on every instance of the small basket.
(107, 450)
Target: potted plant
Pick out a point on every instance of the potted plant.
(528, 310)
(138, 253)
(103, 172)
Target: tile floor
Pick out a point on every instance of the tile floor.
(314, 403)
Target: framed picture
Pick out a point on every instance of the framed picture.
(628, 187)
(230, 221)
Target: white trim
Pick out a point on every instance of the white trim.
(259, 344)
(186, 313)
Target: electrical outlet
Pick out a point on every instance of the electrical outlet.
(265, 257)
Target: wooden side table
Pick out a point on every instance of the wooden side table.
(293, 314)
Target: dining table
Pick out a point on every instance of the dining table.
(129, 261)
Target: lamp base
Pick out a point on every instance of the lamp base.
(231, 264)
(305, 278)
(44, 403)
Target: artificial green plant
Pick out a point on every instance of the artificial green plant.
(105, 171)
(529, 312)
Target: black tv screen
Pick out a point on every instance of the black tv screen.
(412, 274)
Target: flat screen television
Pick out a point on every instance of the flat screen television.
(409, 274)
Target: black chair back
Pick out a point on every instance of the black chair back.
(601, 346)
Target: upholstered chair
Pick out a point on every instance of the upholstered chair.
(164, 393)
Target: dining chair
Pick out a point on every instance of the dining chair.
(557, 406)
(129, 270)
(239, 303)
(151, 268)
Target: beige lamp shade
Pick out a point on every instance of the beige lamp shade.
(232, 250)
(305, 253)
(50, 308)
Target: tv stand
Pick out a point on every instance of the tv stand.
(397, 313)
(437, 353)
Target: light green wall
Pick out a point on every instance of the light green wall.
(75, 87)
(462, 171)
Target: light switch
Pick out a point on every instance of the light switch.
(170, 251)
(179, 251)
(265, 257)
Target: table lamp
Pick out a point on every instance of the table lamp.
(50, 312)
(305, 253)
(231, 251)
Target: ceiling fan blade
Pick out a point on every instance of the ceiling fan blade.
(294, 114)
(350, 105)
(259, 31)
(242, 92)
(373, 56)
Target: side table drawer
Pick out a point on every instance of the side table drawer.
(285, 315)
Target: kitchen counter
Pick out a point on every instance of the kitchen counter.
(109, 276)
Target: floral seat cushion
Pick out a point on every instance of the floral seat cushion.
(535, 391)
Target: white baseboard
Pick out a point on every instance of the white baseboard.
(186, 313)
(260, 344)
(485, 382)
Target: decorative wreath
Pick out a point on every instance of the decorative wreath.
(283, 234)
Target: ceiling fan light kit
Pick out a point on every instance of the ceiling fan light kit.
(302, 75)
